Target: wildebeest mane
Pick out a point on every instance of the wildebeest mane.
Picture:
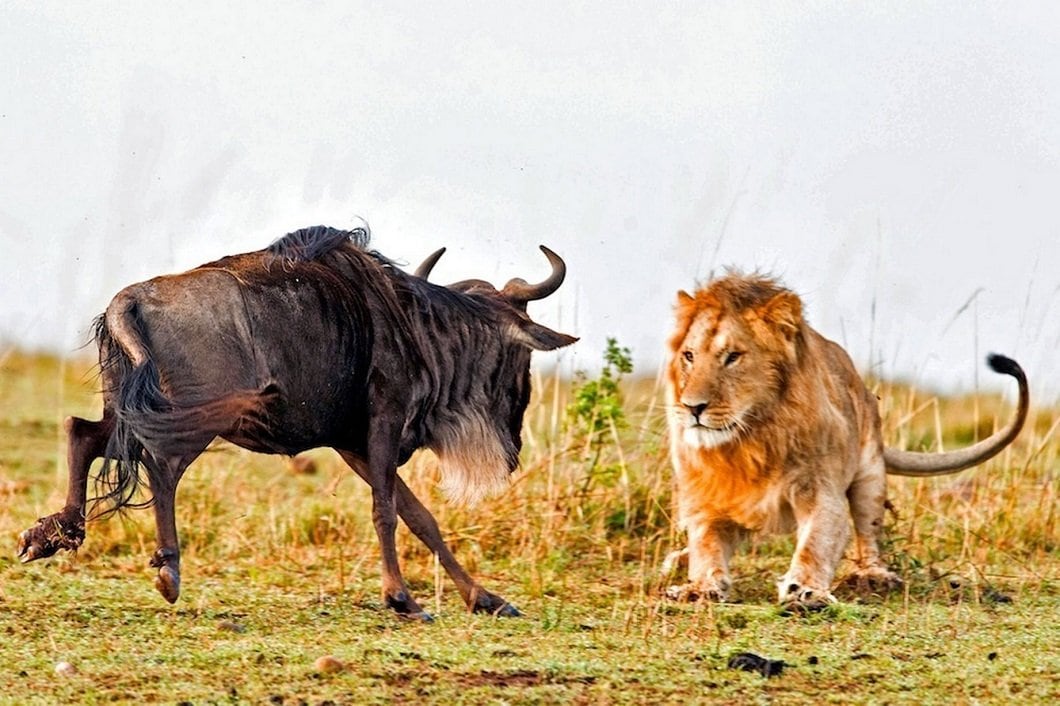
(311, 243)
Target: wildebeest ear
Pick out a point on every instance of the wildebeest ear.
(538, 337)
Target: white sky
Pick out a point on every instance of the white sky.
(887, 160)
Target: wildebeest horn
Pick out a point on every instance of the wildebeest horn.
(427, 265)
(519, 290)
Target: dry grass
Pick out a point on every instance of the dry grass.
(576, 542)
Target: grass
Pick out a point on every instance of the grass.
(281, 568)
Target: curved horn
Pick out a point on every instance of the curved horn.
(427, 265)
(519, 290)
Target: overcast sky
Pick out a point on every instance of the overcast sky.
(891, 162)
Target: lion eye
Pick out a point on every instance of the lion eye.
(732, 357)
(689, 356)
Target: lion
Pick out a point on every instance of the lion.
(773, 430)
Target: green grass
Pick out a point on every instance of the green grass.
(281, 568)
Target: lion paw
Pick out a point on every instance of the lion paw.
(796, 596)
(693, 592)
(874, 579)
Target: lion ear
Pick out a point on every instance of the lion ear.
(784, 311)
(684, 312)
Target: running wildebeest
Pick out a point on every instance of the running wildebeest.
(314, 341)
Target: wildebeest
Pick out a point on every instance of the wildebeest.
(312, 342)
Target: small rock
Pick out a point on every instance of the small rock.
(65, 669)
(328, 664)
(230, 626)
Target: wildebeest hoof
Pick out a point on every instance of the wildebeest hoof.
(501, 609)
(168, 583)
(507, 611)
(28, 550)
(48, 536)
(405, 606)
(486, 602)
(417, 617)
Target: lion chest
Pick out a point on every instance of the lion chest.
(720, 487)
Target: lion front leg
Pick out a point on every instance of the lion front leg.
(710, 546)
(822, 536)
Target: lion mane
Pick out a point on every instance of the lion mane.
(772, 430)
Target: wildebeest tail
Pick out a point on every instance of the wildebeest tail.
(125, 362)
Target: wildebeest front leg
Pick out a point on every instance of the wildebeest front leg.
(425, 527)
(382, 477)
(86, 441)
(422, 523)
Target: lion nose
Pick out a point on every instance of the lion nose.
(696, 409)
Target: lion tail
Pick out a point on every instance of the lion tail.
(912, 463)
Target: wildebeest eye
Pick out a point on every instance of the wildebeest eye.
(732, 357)
(689, 356)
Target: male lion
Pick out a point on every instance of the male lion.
(771, 429)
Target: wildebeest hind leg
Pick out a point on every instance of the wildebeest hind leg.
(86, 441)
(422, 523)
(164, 477)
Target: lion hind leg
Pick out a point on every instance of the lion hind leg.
(868, 496)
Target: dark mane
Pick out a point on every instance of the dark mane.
(313, 242)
